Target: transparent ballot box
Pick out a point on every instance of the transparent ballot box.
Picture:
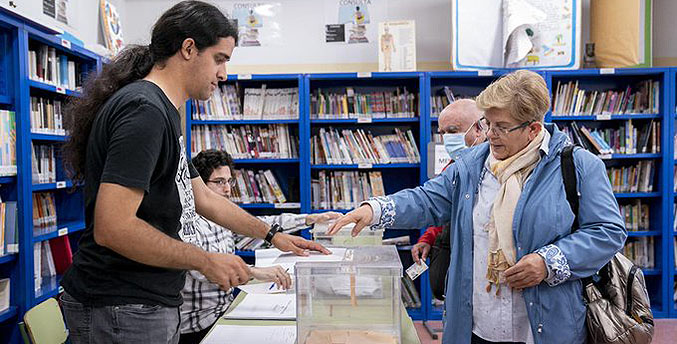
(353, 301)
(367, 236)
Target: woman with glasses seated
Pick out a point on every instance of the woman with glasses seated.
(205, 302)
(516, 267)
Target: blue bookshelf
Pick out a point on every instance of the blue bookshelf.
(17, 36)
(670, 231)
(659, 200)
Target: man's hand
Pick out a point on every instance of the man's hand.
(360, 217)
(226, 270)
(322, 217)
(420, 252)
(297, 245)
(528, 272)
(273, 274)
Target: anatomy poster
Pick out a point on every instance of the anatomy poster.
(397, 46)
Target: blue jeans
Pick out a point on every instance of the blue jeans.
(130, 323)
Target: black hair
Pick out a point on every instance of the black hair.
(208, 160)
(202, 22)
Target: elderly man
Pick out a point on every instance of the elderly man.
(459, 125)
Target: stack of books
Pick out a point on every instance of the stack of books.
(273, 141)
(349, 103)
(360, 147)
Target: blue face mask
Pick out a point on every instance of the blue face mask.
(454, 142)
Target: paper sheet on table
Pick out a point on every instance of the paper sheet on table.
(340, 285)
(264, 288)
(265, 306)
(273, 256)
(237, 334)
(518, 16)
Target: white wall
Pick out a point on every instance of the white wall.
(302, 47)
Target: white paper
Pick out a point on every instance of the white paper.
(238, 334)
(397, 46)
(273, 256)
(265, 306)
(518, 16)
(442, 158)
(263, 288)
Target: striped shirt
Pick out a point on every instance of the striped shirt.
(204, 302)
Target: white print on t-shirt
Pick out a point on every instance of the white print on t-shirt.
(185, 189)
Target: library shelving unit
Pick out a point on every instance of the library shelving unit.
(17, 37)
(396, 176)
(658, 199)
(288, 171)
(670, 228)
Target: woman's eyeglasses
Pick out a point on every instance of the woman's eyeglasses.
(484, 125)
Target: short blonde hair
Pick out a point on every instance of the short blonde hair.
(523, 93)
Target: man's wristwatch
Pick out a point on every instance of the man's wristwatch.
(271, 233)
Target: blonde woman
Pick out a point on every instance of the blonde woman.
(515, 266)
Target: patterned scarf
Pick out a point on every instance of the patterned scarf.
(511, 174)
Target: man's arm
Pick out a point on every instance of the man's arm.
(227, 214)
(117, 227)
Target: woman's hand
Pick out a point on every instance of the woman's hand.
(273, 274)
(322, 217)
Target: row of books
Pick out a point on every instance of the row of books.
(640, 250)
(441, 99)
(410, 296)
(43, 160)
(51, 258)
(360, 147)
(636, 215)
(635, 178)
(569, 100)
(399, 103)
(626, 139)
(271, 103)
(7, 143)
(258, 103)
(44, 213)
(46, 116)
(9, 222)
(273, 141)
(256, 187)
(345, 189)
(46, 65)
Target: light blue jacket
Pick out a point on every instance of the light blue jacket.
(542, 218)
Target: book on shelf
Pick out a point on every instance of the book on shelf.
(9, 222)
(61, 253)
(362, 147)
(351, 103)
(640, 251)
(441, 99)
(628, 138)
(4, 294)
(256, 187)
(410, 296)
(7, 143)
(345, 189)
(273, 141)
(44, 213)
(245, 243)
(224, 104)
(636, 216)
(46, 65)
(43, 264)
(634, 178)
(46, 116)
(43, 161)
(641, 98)
(270, 103)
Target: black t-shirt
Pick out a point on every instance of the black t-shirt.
(135, 142)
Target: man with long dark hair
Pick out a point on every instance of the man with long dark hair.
(142, 195)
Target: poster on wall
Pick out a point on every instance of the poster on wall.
(112, 27)
(540, 34)
(258, 23)
(397, 46)
(355, 18)
(57, 9)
